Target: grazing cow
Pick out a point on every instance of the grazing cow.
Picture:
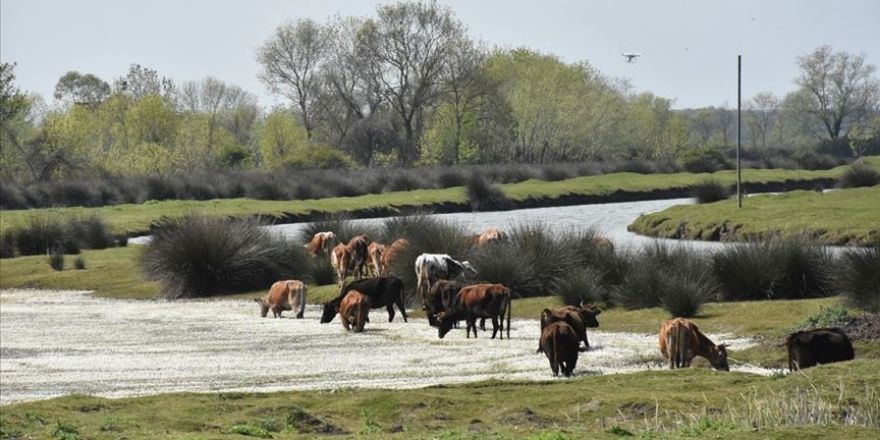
(477, 301)
(320, 243)
(579, 318)
(490, 235)
(559, 341)
(284, 295)
(353, 310)
(440, 297)
(818, 346)
(389, 253)
(382, 291)
(681, 340)
(432, 267)
(340, 259)
(374, 251)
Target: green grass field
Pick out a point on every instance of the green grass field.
(132, 219)
(847, 216)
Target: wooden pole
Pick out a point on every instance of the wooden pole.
(739, 199)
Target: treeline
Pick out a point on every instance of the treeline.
(408, 86)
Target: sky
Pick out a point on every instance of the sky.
(688, 47)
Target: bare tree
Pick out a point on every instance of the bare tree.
(141, 81)
(703, 123)
(292, 59)
(219, 102)
(762, 110)
(838, 88)
(726, 119)
(409, 43)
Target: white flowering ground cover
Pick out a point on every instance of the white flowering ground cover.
(54, 343)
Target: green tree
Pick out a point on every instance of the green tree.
(280, 138)
(74, 88)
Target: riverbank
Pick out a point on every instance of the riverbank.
(841, 217)
(133, 220)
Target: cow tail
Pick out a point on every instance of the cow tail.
(555, 348)
(509, 307)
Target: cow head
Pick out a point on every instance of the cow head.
(718, 357)
(588, 314)
(444, 324)
(330, 310)
(264, 306)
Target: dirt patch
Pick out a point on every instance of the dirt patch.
(71, 342)
(864, 327)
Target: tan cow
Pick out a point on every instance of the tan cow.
(357, 248)
(602, 243)
(681, 341)
(340, 259)
(389, 253)
(374, 251)
(284, 295)
(490, 235)
(353, 310)
(320, 243)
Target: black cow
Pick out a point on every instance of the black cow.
(382, 291)
(818, 346)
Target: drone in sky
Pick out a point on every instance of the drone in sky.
(631, 56)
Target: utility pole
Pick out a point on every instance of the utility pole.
(739, 197)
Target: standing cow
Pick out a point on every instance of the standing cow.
(579, 318)
(818, 346)
(353, 310)
(389, 253)
(559, 341)
(321, 243)
(432, 267)
(681, 341)
(477, 301)
(340, 259)
(284, 295)
(382, 291)
(374, 252)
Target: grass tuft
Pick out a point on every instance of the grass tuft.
(858, 278)
(859, 175)
(709, 191)
(56, 260)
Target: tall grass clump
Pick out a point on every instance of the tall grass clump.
(56, 260)
(667, 276)
(773, 269)
(484, 196)
(859, 175)
(581, 285)
(198, 256)
(709, 191)
(858, 278)
(42, 234)
(79, 263)
(7, 244)
(91, 232)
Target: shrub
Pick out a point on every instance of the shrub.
(42, 234)
(773, 269)
(552, 173)
(121, 240)
(12, 197)
(655, 275)
(197, 256)
(684, 295)
(828, 317)
(319, 271)
(709, 191)
(91, 232)
(450, 178)
(858, 278)
(79, 263)
(581, 285)
(705, 161)
(483, 196)
(402, 182)
(56, 260)
(7, 244)
(859, 175)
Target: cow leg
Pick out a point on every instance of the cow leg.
(344, 318)
(276, 310)
(390, 308)
(471, 324)
(402, 311)
(494, 327)
(483, 323)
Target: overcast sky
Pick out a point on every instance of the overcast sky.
(688, 47)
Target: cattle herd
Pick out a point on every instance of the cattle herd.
(447, 301)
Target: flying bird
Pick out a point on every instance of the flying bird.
(630, 56)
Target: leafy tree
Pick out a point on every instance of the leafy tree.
(76, 88)
(280, 138)
(837, 88)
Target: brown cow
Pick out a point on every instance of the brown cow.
(390, 252)
(559, 342)
(490, 235)
(477, 301)
(353, 310)
(603, 243)
(818, 346)
(681, 340)
(374, 251)
(284, 295)
(340, 259)
(578, 317)
(357, 247)
(320, 243)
